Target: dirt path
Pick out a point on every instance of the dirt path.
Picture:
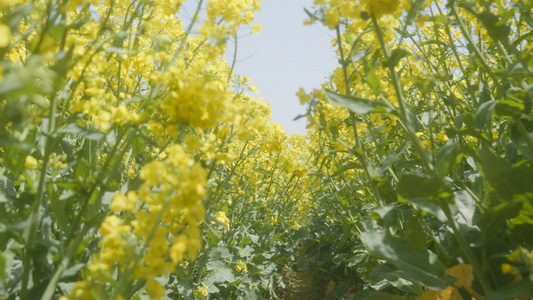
(301, 284)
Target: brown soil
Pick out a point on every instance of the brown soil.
(300, 284)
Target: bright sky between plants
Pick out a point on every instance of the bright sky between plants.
(283, 58)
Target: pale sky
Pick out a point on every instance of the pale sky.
(285, 56)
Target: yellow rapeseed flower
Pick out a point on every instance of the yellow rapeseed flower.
(241, 266)
(202, 290)
(5, 35)
(304, 98)
(380, 7)
(31, 163)
(222, 218)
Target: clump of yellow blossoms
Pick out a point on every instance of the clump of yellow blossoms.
(241, 267)
(222, 218)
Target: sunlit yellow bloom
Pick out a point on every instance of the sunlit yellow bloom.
(380, 7)
(241, 266)
(5, 35)
(304, 98)
(202, 290)
(31, 163)
(222, 218)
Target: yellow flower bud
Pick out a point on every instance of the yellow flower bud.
(31, 163)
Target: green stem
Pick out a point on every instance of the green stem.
(234, 59)
(189, 29)
(403, 106)
(50, 289)
(362, 156)
(466, 34)
(49, 141)
(524, 133)
(467, 251)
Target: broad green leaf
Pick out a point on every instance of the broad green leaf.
(219, 253)
(518, 139)
(418, 264)
(420, 186)
(186, 288)
(466, 208)
(220, 274)
(73, 270)
(383, 296)
(390, 159)
(414, 233)
(396, 55)
(346, 167)
(484, 114)
(372, 78)
(511, 291)
(298, 117)
(388, 214)
(75, 129)
(356, 259)
(505, 179)
(426, 206)
(495, 218)
(509, 108)
(447, 157)
(246, 252)
(528, 103)
(355, 104)
(497, 29)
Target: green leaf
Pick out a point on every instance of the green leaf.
(246, 252)
(73, 128)
(519, 140)
(57, 207)
(346, 167)
(371, 77)
(219, 253)
(358, 55)
(386, 273)
(484, 114)
(220, 274)
(414, 233)
(426, 206)
(383, 296)
(509, 108)
(496, 218)
(447, 157)
(298, 117)
(511, 291)
(416, 6)
(356, 259)
(2, 267)
(496, 28)
(528, 103)
(396, 55)
(418, 264)
(388, 214)
(390, 159)
(439, 19)
(505, 179)
(356, 104)
(419, 186)
(185, 288)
